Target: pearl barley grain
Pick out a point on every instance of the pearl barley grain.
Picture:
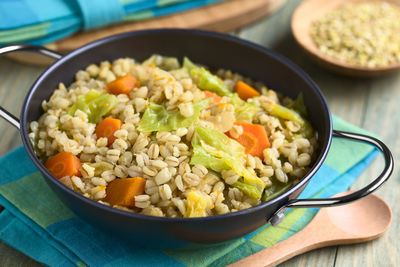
(364, 34)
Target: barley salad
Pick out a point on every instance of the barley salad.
(177, 140)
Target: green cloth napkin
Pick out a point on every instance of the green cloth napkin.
(39, 225)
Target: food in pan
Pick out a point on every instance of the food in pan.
(363, 34)
(177, 140)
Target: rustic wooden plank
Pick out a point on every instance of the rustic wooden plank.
(381, 117)
(320, 257)
(15, 80)
(12, 257)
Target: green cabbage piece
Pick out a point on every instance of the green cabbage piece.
(218, 141)
(216, 151)
(295, 110)
(306, 130)
(285, 113)
(95, 104)
(82, 102)
(244, 111)
(156, 118)
(264, 90)
(188, 64)
(201, 157)
(205, 80)
(298, 105)
(165, 63)
(248, 189)
(289, 114)
(276, 189)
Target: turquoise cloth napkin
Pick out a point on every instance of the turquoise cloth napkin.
(45, 21)
(39, 225)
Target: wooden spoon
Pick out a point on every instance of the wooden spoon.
(357, 222)
(311, 10)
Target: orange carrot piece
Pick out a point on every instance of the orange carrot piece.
(107, 128)
(254, 138)
(245, 91)
(215, 98)
(122, 192)
(63, 164)
(122, 85)
(249, 142)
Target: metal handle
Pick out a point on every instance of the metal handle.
(14, 121)
(336, 201)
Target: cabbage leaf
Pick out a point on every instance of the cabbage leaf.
(165, 63)
(216, 151)
(188, 64)
(284, 113)
(276, 189)
(298, 105)
(244, 111)
(156, 118)
(205, 80)
(95, 104)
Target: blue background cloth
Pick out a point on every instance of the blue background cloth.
(39, 225)
(44, 21)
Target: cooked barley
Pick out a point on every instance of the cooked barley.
(163, 176)
(150, 171)
(153, 151)
(172, 161)
(281, 176)
(304, 159)
(165, 191)
(164, 158)
(191, 179)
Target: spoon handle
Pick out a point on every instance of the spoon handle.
(311, 237)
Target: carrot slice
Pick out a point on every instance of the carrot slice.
(254, 138)
(245, 91)
(122, 192)
(107, 128)
(215, 98)
(63, 164)
(122, 85)
(249, 142)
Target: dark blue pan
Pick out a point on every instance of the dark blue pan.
(216, 51)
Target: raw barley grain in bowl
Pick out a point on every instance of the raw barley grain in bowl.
(162, 139)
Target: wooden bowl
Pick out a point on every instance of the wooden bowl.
(311, 10)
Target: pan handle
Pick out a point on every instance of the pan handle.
(336, 201)
(14, 121)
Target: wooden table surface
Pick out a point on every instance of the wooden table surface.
(368, 103)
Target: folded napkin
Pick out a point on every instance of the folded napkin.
(45, 21)
(39, 225)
